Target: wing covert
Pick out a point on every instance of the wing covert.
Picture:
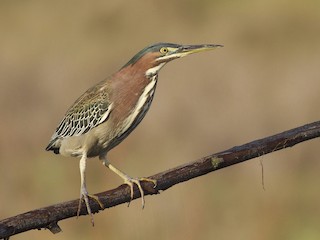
(90, 110)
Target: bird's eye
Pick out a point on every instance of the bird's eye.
(164, 50)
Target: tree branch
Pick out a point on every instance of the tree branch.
(48, 217)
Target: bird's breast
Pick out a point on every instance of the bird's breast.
(130, 106)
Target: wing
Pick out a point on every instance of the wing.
(90, 110)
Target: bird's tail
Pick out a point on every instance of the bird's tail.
(53, 146)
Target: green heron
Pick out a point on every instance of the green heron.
(109, 111)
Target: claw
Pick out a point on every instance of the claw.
(85, 197)
(131, 181)
(128, 180)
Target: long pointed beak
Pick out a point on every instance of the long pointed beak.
(185, 50)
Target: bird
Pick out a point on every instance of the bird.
(104, 115)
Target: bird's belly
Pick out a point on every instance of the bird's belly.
(90, 143)
(72, 146)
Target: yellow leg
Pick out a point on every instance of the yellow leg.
(83, 190)
(129, 180)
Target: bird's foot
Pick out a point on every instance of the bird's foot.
(85, 196)
(131, 181)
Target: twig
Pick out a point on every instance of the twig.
(48, 217)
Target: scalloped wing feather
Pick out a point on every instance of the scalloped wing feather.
(90, 110)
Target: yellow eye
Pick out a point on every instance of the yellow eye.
(164, 50)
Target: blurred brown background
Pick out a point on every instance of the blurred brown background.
(265, 80)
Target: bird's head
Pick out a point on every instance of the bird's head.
(152, 58)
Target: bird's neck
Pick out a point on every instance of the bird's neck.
(151, 72)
